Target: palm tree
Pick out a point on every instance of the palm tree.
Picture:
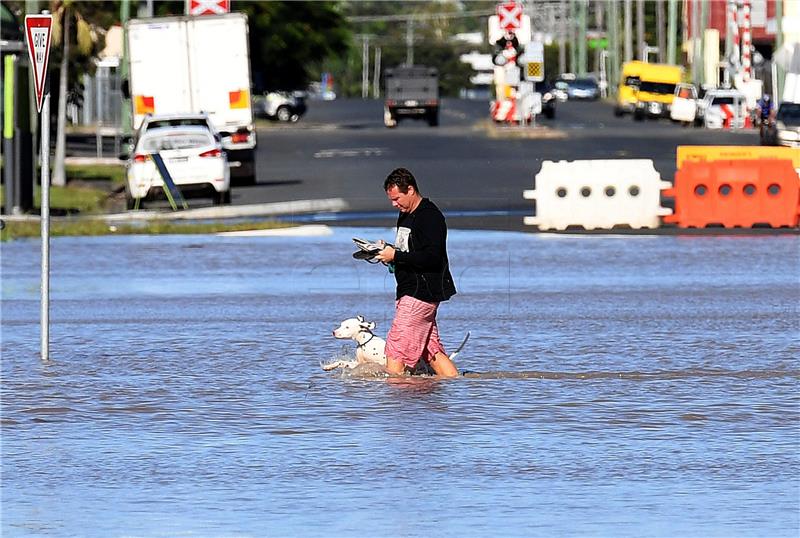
(63, 12)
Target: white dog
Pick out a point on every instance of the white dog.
(370, 349)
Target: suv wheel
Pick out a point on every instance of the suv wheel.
(284, 114)
(222, 198)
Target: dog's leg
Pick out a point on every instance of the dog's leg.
(328, 366)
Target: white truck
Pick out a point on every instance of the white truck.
(192, 65)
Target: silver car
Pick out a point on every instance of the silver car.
(787, 125)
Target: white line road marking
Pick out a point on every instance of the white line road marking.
(349, 152)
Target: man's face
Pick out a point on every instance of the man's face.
(400, 200)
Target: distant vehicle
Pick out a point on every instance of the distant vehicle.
(628, 88)
(192, 152)
(560, 90)
(723, 109)
(549, 99)
(411, 92)
(656, 91)
(281, 106)
(684, 104)
(184, 65)
(785, 130)
(582, 88)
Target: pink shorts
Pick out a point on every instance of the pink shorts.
(414, 334)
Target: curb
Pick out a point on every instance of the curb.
(274, 209)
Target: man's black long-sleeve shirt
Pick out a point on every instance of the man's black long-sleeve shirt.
(421, 266)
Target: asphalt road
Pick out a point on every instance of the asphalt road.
(341, 149)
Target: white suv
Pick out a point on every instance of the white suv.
(192, 155)
(723, 109)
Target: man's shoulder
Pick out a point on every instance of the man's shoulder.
(428, 207)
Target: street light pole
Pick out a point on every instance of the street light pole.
(672, 30)
(410, 41)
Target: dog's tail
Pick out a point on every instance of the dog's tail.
(460, 347)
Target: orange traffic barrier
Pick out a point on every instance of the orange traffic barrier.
(735, 153)
(739, 193)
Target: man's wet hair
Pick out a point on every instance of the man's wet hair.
(402, 179)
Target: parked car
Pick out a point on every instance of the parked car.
(684, 104)
(192, 153)
(785, 131)
(721, 109)
(281, 106)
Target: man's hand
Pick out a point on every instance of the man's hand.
(386, 255)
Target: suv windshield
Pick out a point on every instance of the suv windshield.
(789, 113)
(177, 122)
(723, 101)
(584, 84)
(657, 87)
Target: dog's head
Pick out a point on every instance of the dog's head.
(349, 328)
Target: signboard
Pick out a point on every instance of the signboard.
(208, 7)
(496, 32)
(38, 33)
(532, 61)
(510, 16)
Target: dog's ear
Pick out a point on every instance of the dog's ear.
(360, 319)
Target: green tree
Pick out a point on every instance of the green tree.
(432, 25)
(289, 40)
(70, 26)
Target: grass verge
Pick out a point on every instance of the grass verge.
(89, 190)
(27, 229)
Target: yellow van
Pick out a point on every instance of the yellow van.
(656, 90)
(628, 87)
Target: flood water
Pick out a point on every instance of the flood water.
(621, 386)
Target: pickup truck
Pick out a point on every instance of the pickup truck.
(411, 92)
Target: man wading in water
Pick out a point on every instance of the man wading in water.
(422, 272)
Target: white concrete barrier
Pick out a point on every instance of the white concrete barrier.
(597, 194)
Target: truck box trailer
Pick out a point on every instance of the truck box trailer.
(196, 64)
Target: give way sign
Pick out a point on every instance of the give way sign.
(510, 15)
(38, 31)
(208, 7)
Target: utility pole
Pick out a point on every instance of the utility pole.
(777, 92)
(364, 66)
(628, 31)
(672, 30)
(562, 36)
(640, 42)
(612, 22)
(410, 41)
(695, 42)
(573, 50)
(126, 127)
(376, 75)
(660, 34)
(581, 37)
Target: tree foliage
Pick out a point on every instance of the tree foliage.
(288, 40)
(432, 27)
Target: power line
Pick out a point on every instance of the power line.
(421, 16)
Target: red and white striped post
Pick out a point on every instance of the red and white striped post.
(746, 41)
(733, 26)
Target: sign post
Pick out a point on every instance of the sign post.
(38, 32)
